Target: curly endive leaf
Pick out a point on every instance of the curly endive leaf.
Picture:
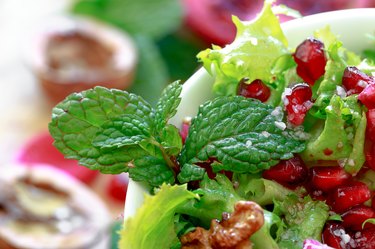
(153, 224)
(242, 134)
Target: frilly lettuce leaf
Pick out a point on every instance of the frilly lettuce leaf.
(262, 191)
(268, 235)
(304, 219)
(340, 136)
(153, 224)
(338, 59)
(252, 54)
(216, 196)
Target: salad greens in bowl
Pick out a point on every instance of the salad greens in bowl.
(269, 145)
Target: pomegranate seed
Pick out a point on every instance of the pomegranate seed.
(373, 202)
(367, 96)
(370, 128)
(370, 154)
(311, 60)
(327, 178)
(256, 90)
(290, 171)
(354, 217)
(185, 129)
(344, 197)
(365, 239)
(333, 235)
(354, 80)
(298, 103)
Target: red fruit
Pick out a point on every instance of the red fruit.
(369, 151)
(117, 187)
(354, 80)
(344, 197)
(327, 178)
(367, 96)
(365, 239)
(370, 128)
(185, 129)
(335, 236)
(354, 217)
(256, 90)
(298, 102)
(290, 171)
(311, 60)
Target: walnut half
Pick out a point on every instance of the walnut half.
(233, 232)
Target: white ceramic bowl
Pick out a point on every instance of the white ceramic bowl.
(350, 25)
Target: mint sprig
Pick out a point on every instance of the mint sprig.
(114, 131)
(241, 134)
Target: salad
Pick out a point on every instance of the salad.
(280, 157)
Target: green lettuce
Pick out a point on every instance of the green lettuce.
(260, 190)
(304, 219)
(257, 46)
(216, 196)
(153, 225)
(338, 59)
(341, 136)
(268, 235)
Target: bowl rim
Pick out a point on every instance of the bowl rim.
(307, 24)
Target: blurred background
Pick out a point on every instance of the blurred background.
(51, 48)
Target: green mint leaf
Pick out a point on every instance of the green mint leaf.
(151, 169)
(113, 161)
(190, 172)
(171, 140)
(167, 105)
(242, 134)
(125, 130)
(77, 121)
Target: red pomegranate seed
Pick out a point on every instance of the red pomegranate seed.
(365, 239)
(370, 128)
(367, 96)
(256, 90)
(354, 217)
(335, 236)
(290, 171)
(344, 197)
(370, 154)
(327, 178)
(185, 129)
(354, 80)
(311, 60)
(297, 103)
